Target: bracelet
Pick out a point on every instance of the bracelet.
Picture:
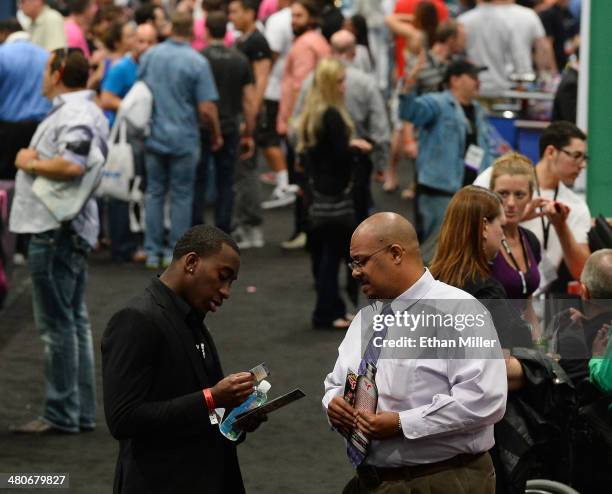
(30, 166)
(399, 424)
(210, 402)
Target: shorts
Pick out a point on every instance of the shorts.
(265, 129)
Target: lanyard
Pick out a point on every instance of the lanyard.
(515, 262)
(545, 225)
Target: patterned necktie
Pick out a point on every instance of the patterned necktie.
(371, 354)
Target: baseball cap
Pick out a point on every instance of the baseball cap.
(460, 67)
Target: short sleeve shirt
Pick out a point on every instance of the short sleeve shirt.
(179, 78)
(232, 71)
(72, 128)
(280, 37)
(254, 46)
(119, 80)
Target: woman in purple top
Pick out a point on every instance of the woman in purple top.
(516, 264)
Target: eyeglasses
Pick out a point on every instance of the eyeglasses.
(576, 155)
(361, 264)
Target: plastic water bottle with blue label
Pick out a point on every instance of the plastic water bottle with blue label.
(256, 399)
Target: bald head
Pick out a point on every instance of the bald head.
(389, 228)
(343, 44)
(146, 37)
(386, 251)
(597, 274)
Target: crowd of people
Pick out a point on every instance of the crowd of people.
(333, 97)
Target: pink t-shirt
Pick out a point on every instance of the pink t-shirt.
(266, 9)
(75, 37)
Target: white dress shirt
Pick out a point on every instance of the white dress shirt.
(446, 406)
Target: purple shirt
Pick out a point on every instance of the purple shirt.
(509, 277)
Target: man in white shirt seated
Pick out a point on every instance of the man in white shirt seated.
(562, 157)
(434, 418)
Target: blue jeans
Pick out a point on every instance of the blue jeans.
(225, 165)
(174, 174)
(431, 210)
(57, 261)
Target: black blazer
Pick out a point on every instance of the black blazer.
(153, 378)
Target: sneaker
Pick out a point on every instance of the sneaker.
(248, 237)
(296, 242)
(240, 235)
(268, 178)
(281, 196)
(257, 237)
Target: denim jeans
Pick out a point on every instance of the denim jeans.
(176, 175)
(225, 166)
(57, 261)
(248, 193)
(123, 242)
(431, 210)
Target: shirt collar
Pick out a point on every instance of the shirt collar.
(415, 292)
(184, 310)
(76, 96)
(17, 36)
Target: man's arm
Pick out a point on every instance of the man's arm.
(109, 101)
(57, 168)
(544, 55)
(210, 118)
(477, 398)
(249, 109)
(129, 349)
(575, 254)
(418, 110)
(261, 71)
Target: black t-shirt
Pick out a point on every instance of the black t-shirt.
(470, 138)
(255, 46)
(232, 71)
(561, 26)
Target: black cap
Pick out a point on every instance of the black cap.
(460, 67)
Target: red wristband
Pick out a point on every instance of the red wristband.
(210, 403)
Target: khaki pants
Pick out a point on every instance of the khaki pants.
(477, 477)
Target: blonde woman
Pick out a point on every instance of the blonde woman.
(516, 265)
(326, 148)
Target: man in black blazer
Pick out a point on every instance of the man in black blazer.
(161, 376)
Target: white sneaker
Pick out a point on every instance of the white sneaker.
(281, 196)
(248, 237)
(297, 242)
(257, 237)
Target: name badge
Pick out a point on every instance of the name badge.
(473, 157)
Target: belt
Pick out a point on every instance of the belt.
(372, 476)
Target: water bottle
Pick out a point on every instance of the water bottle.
(256, 399)
(366, 400)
